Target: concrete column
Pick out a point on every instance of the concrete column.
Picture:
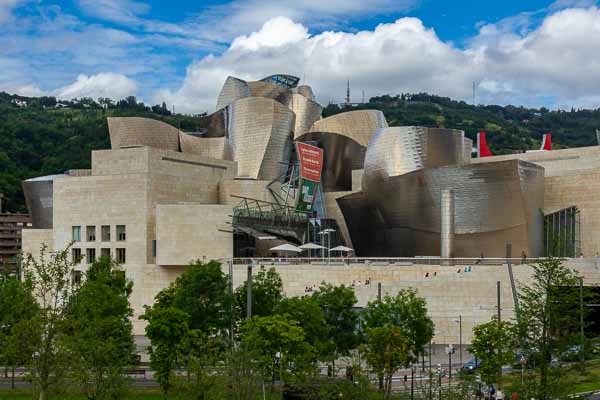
(447, 219)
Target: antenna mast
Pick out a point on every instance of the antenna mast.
(348, 92)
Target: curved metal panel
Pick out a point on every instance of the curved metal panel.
(399, 150)
(341, 156)
(38, 196)
(307, 113)
(489, 208)
(358, 125)
(233, 89)
(305, 91)
(260, 132)
(269, 90)
(213, 147)
(136, 131)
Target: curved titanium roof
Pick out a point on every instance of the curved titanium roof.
(400, 150)
(233, 89)
(39, 199)
(341, 156)
(259, 137)
(358, 125)
(136, 131)
(307, 113)
(213, 147)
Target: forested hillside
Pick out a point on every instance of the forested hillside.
(45, 137)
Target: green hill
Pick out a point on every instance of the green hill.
(41, 139)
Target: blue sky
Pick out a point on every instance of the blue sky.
(535, 53)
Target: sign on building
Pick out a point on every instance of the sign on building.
(311, 165)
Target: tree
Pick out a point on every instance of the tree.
(493, 345)
(168, 331)
(337, 304)
(51, 277)
(100, 334)
(267, 292)
(18, 309)
(202, 292)
(188, 326)
(407, 311)
(386, 350)
(546, 324)
(277, 345)
(309, 316)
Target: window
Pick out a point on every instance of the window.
(76, 255)
(154, 248)
(105, 233)
(121, 234)
(90, 233)
(121, 256)
(76, 278)
(105, 253)
(90, 255)
(76, 234)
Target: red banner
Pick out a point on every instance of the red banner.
(311, 161)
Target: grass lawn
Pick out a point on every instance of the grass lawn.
(578, 381)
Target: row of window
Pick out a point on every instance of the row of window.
(90, 233)
(90, 255)
(76, 276)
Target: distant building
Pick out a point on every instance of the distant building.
(11, 226)
(20, 103)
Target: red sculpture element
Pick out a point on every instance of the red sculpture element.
(547, 142)
(482, 148)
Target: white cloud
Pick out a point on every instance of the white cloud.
(111, 85)
(555, 64)
(6, 7)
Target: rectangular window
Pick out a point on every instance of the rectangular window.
(90, 255)
(76, 255)
(121, 234)
(154, 248)
(121, 256)
(105, 253)
(105, 233)
(90, 233)
(76, 237)
(76, 278)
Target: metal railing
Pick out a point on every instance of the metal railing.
(381, 261)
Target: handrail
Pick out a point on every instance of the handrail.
(382, 261)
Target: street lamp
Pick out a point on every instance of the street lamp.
(460, 345)
(450, 350)
(327, 232)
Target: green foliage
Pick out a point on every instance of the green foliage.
(337, 304)
(100, 340)
(188, 326)
(202, 292)
(309, 316)
(168, 331)
(278, 346)
(546, 323)
(267, 292)
(493, 345)
(18, 310)
(51, 278)
(407, 311)
(386, 350)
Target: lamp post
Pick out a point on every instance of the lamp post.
(327, 232)
(460, 346)
(450, 350)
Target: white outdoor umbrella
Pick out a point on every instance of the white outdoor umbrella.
(342, 248)
(311, 246)
(286, 247)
